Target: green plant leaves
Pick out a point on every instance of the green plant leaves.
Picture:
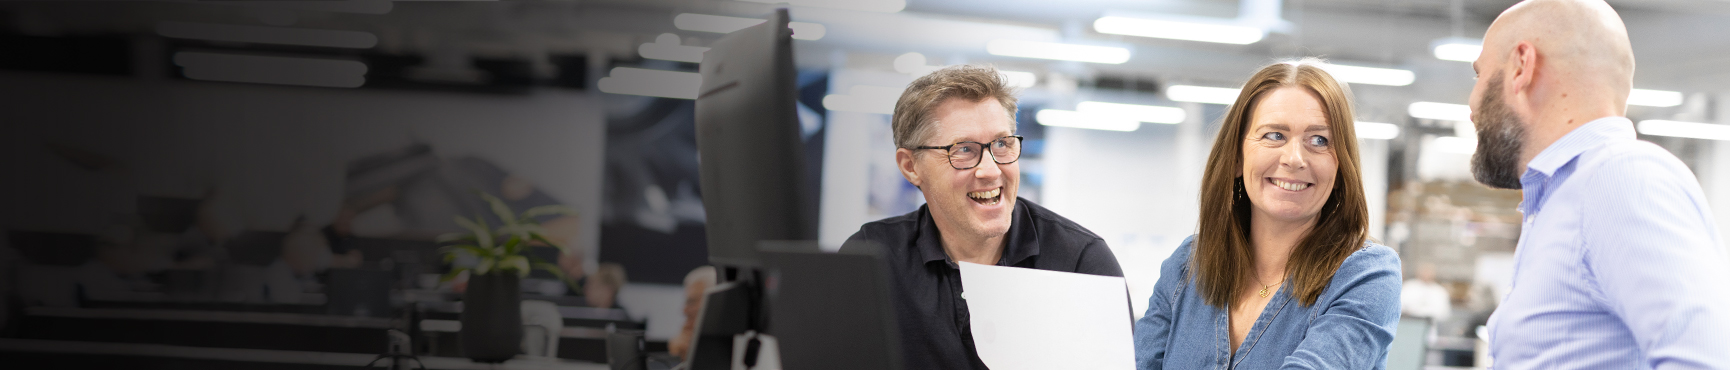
(500, 209)
(543, 239)
(452, 275)
(520, 263)
(478, 226)
(485, 266)
(516, 230)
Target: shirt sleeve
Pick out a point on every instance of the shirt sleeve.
(1153, 330)
(1355, 328)
(1096, 258)
(1649, 245)
(861, 243)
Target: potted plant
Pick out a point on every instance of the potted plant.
(492, 326)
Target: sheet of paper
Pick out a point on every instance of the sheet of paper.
(1036, 319)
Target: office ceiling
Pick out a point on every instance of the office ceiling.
(1679, 43)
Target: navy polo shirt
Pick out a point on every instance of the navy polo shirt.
(926, 284)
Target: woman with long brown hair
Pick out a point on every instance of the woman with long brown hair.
(1280, 274)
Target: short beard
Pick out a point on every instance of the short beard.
(1501, 137)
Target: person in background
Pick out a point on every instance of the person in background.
(1423, 297)
(570, 260)
(1281, 273)
(954, 130)
(697, 282)
(602, 288)
(1619, 264)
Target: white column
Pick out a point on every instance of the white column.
(1373, 156)
(845, 202)
(1714, 172)
(1192, 148)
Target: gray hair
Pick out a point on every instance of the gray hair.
(912, 123)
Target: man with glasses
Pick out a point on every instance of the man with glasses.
(955, 130)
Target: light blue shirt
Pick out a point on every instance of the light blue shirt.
(1619, 264)
(1349, 327)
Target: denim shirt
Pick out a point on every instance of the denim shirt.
(1350, 326)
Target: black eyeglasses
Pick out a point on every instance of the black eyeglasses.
(965, 155)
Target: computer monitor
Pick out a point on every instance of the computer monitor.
(751, 165)
(830, 311)
(167, 214)
(748, 142)
(255, 248)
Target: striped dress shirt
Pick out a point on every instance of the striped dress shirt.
(1619, 265)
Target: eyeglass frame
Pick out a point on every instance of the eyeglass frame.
(985, 147)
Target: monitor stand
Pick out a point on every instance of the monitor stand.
(730, 309)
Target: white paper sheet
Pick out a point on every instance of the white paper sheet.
(1036, 319)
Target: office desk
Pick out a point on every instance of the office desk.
(251, 330)
(29, 353)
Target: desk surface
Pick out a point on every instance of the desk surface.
(273, 356)
(212, 316)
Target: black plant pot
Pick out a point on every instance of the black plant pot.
(492, 318)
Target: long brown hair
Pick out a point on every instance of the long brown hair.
(1222, 253)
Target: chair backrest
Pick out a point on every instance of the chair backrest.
(1408, 350)
(541, 327)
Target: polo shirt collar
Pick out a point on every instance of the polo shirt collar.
(1023, 239)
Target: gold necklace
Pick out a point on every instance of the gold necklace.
(1264, 288)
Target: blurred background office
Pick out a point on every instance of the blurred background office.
(237, 176)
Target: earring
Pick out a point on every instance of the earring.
(1238, 191)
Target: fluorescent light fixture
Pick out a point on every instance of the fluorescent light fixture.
(1694, 130)
(1377, 130)
(205, 66)
(1019, 79)
(864, 99)
(1133, 112)
(1654, 98)
(724, 24)
(1190, 31)
(1066, 118)
(1457, 49)
(345, 6)
(914, 64)
(666, 47)
(1057, 51)
(267, 35)
(1440, 111)
(652, 82)
(885, 6)
(1370, 75)
(1456, 144)
(1201, 94)
(712, 23)
(807, 31)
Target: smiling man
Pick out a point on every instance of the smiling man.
(955, 133)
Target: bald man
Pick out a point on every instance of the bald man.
(1619, 265)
